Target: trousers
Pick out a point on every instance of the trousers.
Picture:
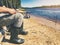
(15, 19)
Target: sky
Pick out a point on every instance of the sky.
(34, 3)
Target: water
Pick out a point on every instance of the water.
(48, 13)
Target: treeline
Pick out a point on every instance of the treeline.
(12, 3)
(52, 6)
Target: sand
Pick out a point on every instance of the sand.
(38, 34)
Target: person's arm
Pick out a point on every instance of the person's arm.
(5, 9)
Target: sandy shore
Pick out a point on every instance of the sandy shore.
(38, 34)
(47, 22)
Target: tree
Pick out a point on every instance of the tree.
(12, 3)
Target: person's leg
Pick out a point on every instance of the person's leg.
(14, 28)
(5, 21)
(14, 36)
(21, 30)
(19, 23)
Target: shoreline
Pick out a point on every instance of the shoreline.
(54, 20)
(46, 22)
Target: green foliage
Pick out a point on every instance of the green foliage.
(12, 3)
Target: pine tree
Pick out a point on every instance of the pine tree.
(12, 3)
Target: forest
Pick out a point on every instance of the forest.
(12, 3)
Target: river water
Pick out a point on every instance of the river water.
(48, 13)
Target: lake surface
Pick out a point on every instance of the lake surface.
(48, 13)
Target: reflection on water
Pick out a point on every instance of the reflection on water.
(48, 13)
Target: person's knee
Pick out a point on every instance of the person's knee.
(19, 20)
(19, 16)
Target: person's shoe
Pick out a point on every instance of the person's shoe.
(17, 40)
(14, 36)
(23, 32)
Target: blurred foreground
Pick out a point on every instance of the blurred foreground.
(38, 34)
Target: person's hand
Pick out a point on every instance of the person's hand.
(12, 11)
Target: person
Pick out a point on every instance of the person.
(13, 19)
